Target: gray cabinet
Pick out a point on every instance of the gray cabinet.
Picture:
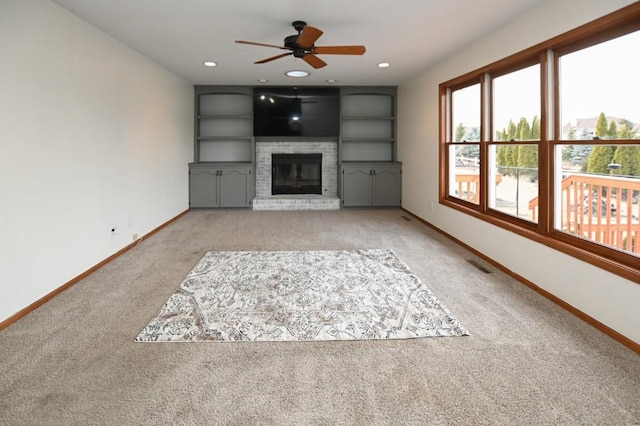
(213, 185)
(370, 174)
(371, 184)
(222, 174)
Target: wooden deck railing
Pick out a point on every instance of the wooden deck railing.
(468, 186)
(604, 209)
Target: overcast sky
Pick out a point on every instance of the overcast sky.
(603, 78)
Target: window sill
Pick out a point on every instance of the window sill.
(624, 265)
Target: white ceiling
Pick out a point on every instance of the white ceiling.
(409, 34)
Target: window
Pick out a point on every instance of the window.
(513, 168)
(546, 143)
(598, 182)
(464, 148)
(599, 90)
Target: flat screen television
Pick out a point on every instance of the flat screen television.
(296, 111)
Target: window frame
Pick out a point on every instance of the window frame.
(450, 135)
(547, 54)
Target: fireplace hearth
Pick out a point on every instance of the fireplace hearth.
(296, 174)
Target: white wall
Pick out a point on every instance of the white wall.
(606, 297)
(92, 135)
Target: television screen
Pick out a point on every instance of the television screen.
(296, 111)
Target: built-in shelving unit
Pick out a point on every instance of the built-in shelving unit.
(368, 124)
(222, 174)
(369, 173)
(224, 125)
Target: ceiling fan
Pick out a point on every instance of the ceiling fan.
(302, 46)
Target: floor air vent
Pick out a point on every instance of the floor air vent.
(479, 266)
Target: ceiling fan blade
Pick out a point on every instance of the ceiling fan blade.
(273, 58)
(261, 44)
(314, 61)
(339, 50)
(308, 36)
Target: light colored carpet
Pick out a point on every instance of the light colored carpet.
(299, 296)
(74, 361)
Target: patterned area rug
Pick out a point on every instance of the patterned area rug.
(300, 296)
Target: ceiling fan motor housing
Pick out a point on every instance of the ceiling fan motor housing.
(299, 25)
(291, 42)
(299, 52)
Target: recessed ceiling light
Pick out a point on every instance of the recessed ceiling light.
(262, 80)
(384, 65)
(331, 80)
(210, 64)
(297, 73)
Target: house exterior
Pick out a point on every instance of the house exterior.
(586, 127)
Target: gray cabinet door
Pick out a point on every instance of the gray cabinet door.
(371, 184)
(387, 186)
(356, 186)
(220, 185)
(203, 187)
(234, 186)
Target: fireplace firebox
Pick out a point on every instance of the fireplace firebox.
(296, 174)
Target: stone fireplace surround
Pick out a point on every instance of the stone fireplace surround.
(327, 201)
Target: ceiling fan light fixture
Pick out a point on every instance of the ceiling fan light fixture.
(298, 73)
(384, 65)
(210, 64)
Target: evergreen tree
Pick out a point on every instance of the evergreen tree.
(628, 157)
(625, 133)
(630, 127)
(585, 133)
(473, 135)
(580, 155)
(524, 130)
(585, 166)
(528, 160)
(501, 158)
(511, 131)
(613, 130)
(602, 129)
(511, 156)
(600, 157)
(469, 151)
(572, 134)
(535, 128)
(460, 131)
